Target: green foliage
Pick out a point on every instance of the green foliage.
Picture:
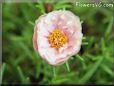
(21, 64)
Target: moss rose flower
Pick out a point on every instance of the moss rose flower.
(57, 36)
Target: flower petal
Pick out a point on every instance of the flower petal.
(69, 24)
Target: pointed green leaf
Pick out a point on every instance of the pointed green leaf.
(91, 72)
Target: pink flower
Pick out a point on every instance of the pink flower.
(57, 36)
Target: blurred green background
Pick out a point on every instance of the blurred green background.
(92, 65)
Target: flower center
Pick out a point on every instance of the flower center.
(57, 38)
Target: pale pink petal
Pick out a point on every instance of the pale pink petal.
(60, 61)
(69, 24)
(35, 40)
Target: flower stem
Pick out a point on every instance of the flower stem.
(54, 73)
(67, 65)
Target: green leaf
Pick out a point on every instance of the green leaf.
(107, 70)
(30, 22)
(90, 40)
(82, 22)
(91, 72)
(23, 79)
(26, 50)
(41, 7)
(57, 81)
(83, 36)
(84, 43)
(20, 59)
(109, 28)
(67, 65)
(61, 6)
(2, 72)
(80, 58)
(103, 45)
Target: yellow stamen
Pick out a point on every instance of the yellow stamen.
(57, 38)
